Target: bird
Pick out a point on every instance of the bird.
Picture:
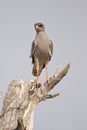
(41, 51)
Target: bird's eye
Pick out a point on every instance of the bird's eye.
(40, 25)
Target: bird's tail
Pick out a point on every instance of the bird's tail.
(34, 70)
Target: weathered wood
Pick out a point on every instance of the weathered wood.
(22, 98)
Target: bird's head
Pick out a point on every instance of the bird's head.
(39, 27)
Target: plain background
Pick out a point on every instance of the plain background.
(66, 25)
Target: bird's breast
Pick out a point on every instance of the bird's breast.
(42, 49)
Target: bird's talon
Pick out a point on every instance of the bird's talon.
(47, 80)
(38, 84)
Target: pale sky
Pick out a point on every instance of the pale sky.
(66, 24)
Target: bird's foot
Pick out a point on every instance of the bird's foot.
(47, 80)
(37, 83)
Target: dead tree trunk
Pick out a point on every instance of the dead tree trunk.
(22, 98)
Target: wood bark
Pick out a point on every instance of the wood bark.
(21, 99)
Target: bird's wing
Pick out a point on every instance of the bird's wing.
(34, 44)
(51, 48)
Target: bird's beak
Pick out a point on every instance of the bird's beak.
(36, 27)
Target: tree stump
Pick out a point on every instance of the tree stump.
(21, 99)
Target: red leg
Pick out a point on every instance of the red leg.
(37, 77)
(47, 73)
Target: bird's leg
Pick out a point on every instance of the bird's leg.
(37, 73)
(47, 79)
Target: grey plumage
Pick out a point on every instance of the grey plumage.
(41, 50)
